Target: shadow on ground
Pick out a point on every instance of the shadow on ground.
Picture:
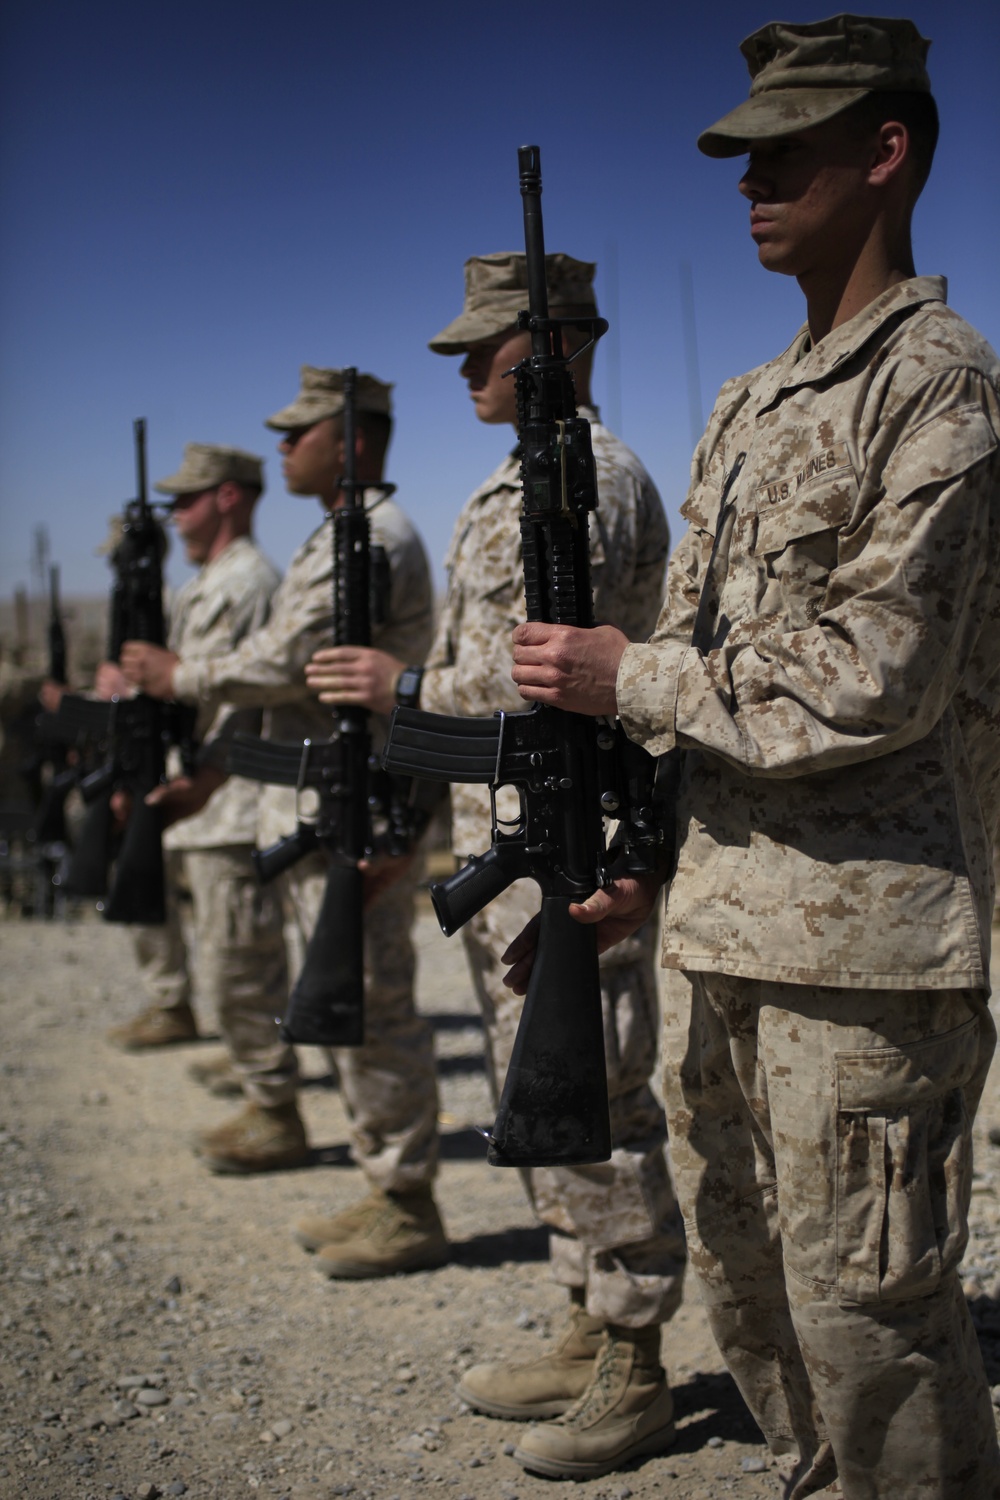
(443, 1020)
(986, 1319)
(710, 1406)
(468, 1063)
(522, 1245)
(455, 1145)
(463, 1145)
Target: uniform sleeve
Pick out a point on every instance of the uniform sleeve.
(409, 623)
(468, 668)
(912, 602)
(629, 541)
(267, 668)
(251, 609)
(437, 687)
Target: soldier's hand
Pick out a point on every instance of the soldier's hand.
(110, 682)
(355, 674)
(50, 695)
(121, 808)
(568, 668)
(149, 668)
(382, 872)
(185, 795)
(618, 910)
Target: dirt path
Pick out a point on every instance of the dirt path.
(162, 1335)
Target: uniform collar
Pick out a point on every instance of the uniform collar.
(800, 365)
(223, 558)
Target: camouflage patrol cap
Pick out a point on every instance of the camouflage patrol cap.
(206, 465)
(496, 289)
(322, 395)
(805, 74)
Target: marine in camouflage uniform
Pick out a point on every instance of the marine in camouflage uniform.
(616, 1238)
(238, 961)
(826, 660)
(388, 1083)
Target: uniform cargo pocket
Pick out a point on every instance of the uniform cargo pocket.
(903, 1165)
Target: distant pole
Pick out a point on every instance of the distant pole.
(40, 557)
(690, 331)
(22, 625)
(612, 339)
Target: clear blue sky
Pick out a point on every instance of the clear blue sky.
(197, 198)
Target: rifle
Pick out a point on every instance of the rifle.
(132, 735)
(361, 810)
(49, 825)
(570, 771)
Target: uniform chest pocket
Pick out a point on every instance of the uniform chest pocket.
(798, 532)
(206, 618)
(497, 568)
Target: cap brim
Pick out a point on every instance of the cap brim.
(303, 414)
(472, 327)
(772, 114)
(179, 484)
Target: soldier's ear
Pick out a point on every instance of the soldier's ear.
(227, 497)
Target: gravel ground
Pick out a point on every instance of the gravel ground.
(163, 1336)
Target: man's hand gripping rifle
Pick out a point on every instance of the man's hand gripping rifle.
(361, 811)
(570, 771)
(132, 735)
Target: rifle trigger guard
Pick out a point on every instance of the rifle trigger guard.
(502, 716)
(300, 785)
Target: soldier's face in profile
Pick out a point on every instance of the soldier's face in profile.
(196, 519)
(810, 198)
(484, 366)
(312, 458)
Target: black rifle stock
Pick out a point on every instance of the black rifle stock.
(130, 735)
(570, 771)
(360, 809)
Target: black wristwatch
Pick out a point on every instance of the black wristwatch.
(408, 687)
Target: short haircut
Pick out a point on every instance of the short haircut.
(917, 111)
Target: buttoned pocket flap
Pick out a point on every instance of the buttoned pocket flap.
(938, 452)
(786, 512)
(701, 508)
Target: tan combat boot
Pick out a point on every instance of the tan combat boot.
(256, 1140)
(625, 1411)
(155, 1027)
(543, 1387)
(404, 1234)
(313, 1231)
(218, 1075)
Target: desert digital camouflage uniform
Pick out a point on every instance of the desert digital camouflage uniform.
(827, 661)
(239, 957)
(389, 1083)
(615, 1228)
